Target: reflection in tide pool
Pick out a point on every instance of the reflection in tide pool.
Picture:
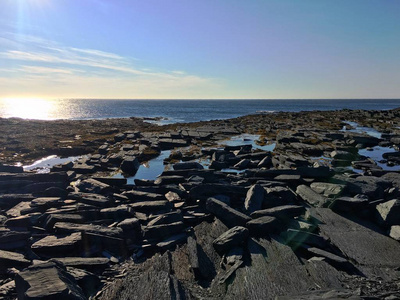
(376, 154)
(361, 129)
(150, 170)
(45, 164)
(247, 139)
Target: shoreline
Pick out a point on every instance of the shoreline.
(315, 215)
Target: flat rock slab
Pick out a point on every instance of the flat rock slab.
(65, 227)
(229, 216)
(371, 250)
(284, 211)
(12, 260)
(84, 262)
(47, 281)
(58, 245)
(231, 238)
(310, 196)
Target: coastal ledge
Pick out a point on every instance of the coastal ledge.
(313, 217)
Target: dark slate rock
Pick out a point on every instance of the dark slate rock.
(264, 225)
(174, 216)
(374, 253)
(10, 200)
(187, 166)
(84, 169)
(10, 240)
(91, 199)
(226, 214)
(22, 221)
(96, 244)
(65, 227)
(119, 182)
(46, 202)
(394, 232)
(171, 242)
(204, 191)
(160, 232)
(389, 212)
(173, 179)
(266, 162)
(93, 186)
(11, 169)
(130, 165)
(243, 164)
(331, 258)
(298, 237)
(311, 197)
(54, 218)
(349, 204)
(129, 224)
(283, 212)
(254, 198)
(328, 189)
(151, 206)
(49, 280)
(139, 196)
(89, 282)
(12, 260)
(233, 237)
(86, 263)
(117, 213)
(55, 246)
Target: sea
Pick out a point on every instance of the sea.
(172, 111)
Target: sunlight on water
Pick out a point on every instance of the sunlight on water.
(28, 108)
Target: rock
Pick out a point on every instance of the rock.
(118, 182)
(242, 164)
(160, 232)
(48, 280)
(204, 191)
(343, 155)
(277, 196)
(172, 197)
(10, 240)
(88, 282)
(266, 162)
(117, 213)
(86, 263)
(56, 246)
(308, 195)
(139, 196)
(22, 221)
(187, 166)
(330, 190)
(65, 227)
(333, 259)
(254, 198)
(130, 165)
(94, 244)
(46, 202)
(91, 199)
(83, 169)
(298, 238)
(229, 216)
(174, 216)
(93, 186)
(283, 212)
(173, 179)
(233, 237)
(172, 241)
(9, 200)
(389, 212)
(349, 204)
(264, 225)
(54, 218)
(11, 169)
(12, 260)
(151, 206)
(394, 232)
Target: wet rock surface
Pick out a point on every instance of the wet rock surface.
(310, 218)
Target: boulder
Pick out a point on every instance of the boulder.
(349, 204)
(187, 166)
(394, 232)
(330, 190)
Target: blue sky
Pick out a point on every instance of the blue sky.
(200, 49)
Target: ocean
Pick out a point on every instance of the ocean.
(173, 110)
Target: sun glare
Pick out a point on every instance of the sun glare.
(27, 108)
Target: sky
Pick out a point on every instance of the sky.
(200, 49)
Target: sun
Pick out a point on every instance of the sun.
(27, 108)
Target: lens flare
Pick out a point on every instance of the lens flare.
(27, 108)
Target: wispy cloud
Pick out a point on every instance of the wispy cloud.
(43, 62)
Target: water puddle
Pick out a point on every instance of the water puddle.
(247, 139)
(360, 129)
(45, 164)
(376, 154)
(149, 170)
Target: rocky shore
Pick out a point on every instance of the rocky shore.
(305, 206)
